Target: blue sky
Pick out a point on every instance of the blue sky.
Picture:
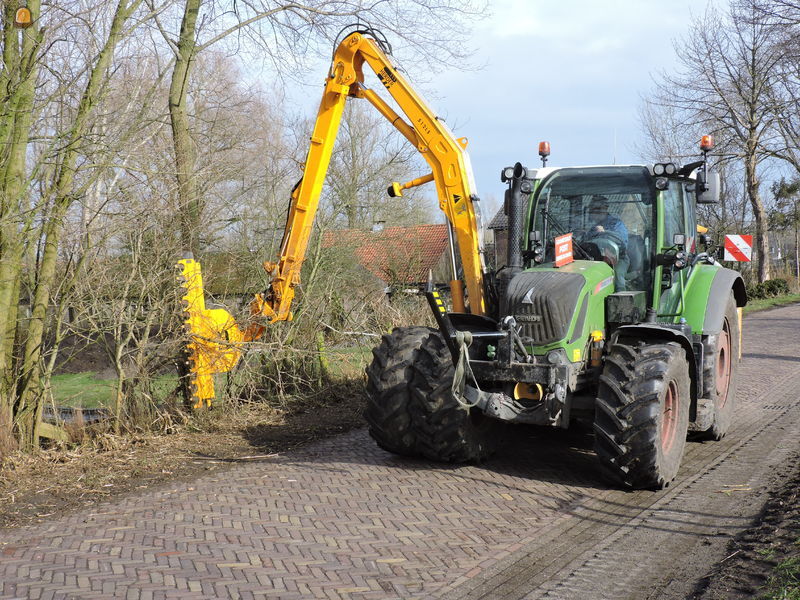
(570, 72)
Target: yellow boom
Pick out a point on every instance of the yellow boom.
(215, 345)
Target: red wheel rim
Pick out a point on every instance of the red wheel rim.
(723, 378)
(669, 417)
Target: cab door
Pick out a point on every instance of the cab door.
(678, 218)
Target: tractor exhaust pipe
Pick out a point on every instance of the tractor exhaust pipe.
(514, 208)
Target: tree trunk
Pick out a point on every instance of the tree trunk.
(119, 394)
(796, 244)
(189, 207)
(753, 183)
(18, 81)
(30, 396)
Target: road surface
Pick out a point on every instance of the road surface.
(343, 519)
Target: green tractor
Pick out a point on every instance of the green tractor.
(611, 311)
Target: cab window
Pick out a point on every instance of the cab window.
(674, 220)
(609, 210)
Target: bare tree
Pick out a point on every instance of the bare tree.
(282, 31)
(727, 64)
(367, 157)
(123, 302)
(668, 137)
(784, 18)
(786, 216)
(17, 82)
(42, 214)
(784, 12)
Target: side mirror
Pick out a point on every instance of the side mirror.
(708, 192)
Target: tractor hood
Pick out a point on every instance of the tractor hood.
(545, 301)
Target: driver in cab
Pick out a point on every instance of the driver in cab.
(611, 237)
(605, 222)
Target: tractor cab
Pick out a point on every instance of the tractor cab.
(640, 220)
(610, 213)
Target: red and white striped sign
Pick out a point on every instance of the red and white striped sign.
(739, 248)
(563, 249)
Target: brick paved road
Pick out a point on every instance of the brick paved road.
(342, 519)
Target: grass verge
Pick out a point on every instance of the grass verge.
(785, 581)
(82, 389)
(765, 303)
(87, 390)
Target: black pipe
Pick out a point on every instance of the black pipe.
(514, 208)
(516, 219)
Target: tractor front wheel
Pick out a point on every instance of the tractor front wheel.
(389, 398)
(446, 430)
(642, 413)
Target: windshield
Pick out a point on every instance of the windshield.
(609, 211)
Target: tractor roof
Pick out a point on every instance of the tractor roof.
(542, 172)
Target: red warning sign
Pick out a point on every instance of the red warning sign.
(564, 249)
(739, 248)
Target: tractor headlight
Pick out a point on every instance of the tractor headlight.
(554, 357)
(660, 169)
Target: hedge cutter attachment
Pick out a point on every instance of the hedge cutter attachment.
(214, 337)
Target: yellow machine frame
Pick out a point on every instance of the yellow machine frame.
(216, 339)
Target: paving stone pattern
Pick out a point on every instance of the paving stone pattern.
(343, 519)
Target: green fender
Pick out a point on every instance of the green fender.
(706, 295)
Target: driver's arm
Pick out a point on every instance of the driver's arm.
(615, 225)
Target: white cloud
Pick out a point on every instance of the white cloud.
(571, 72)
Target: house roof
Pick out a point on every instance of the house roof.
(395, 254)
(499, 220)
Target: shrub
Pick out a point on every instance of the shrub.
(768, 289)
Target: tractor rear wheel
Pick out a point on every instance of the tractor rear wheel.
(721, 370)
(642, 413)
(389, 398)
(446, 430)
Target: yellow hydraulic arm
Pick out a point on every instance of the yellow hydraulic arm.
(215, 344)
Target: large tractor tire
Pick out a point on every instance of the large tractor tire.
(642, 413)
(389, 397)
(721, 372)
(446, 430)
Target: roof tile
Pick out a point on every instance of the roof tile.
(399, 254)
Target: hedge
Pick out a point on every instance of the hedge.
(768, 289)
